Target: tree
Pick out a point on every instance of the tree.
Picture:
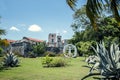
(2, 32)
(108, 31)
(76, 38)
(39, 49)
(108, 27)
(84, 47)
(94, 9)
(3, 42)
(1, 52)
(81, 21)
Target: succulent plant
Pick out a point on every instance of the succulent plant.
(109, 63)
(109, 59)
(94, 61)
(10, 60)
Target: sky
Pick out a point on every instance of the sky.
(36, 18)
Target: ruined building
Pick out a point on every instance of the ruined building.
(55, 42)
(24, 45)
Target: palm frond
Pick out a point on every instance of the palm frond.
(114, 8)
(2, 32)
(72, 4)
(93, 9)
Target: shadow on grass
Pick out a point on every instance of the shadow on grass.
(101, 78)
(86, 66)
(98, 78)
(82, 60)
(2, 69)
(89, 75)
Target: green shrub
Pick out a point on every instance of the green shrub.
(46, 61)
(58, 62)
(17, 53)
(31, 55)
(39, 49)
(54, 62)
(10, 60)
(60, 55)
(1, 66)
(50, 54)
(1, 52)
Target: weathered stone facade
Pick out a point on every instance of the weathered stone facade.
(24, 45)
(55, 42)
(52, 40)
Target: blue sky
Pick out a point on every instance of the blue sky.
(36, 18)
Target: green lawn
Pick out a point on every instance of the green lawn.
(31, 69)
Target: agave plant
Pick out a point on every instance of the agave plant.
(94, 60)
(109, 60)
(10, 60)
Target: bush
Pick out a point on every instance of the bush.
(1, 66)
(60, 55)
(18, 53)
(39, 49)
(1, 52)
(58, 62)
(46, 61)
(50, 54)
(53, 62)
(31, 55)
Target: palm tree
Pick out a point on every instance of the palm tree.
(3, 42)
(2, 32)
(95, 7)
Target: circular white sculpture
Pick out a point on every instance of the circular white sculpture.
(69, 50)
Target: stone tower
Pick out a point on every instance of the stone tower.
(59, 41)
(52, 40)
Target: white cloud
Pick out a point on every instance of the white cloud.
(35, 28)
(64, 31)
(13, 28)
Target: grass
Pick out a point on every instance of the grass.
(31, 69)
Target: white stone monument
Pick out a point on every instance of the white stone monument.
(70, 50)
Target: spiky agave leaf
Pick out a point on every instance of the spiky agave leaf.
(10, 60)
(109, 59)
